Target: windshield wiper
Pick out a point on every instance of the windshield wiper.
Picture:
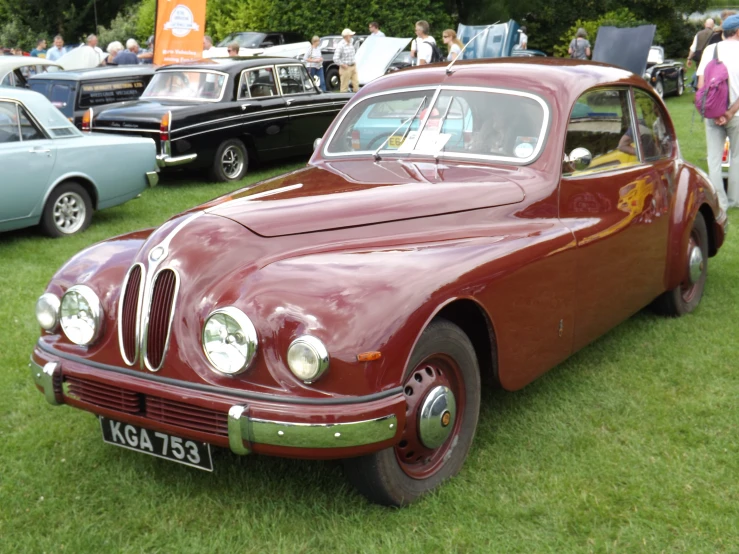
(376, 154)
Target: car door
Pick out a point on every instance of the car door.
(310, 111)
(609, 197)
(265, 119)
(27, 159)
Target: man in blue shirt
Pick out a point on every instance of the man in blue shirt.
(40, 50)
(56, 51)
(128, 56)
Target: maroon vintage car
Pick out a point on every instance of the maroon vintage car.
(453, 227)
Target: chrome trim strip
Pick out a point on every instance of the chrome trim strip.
(126, 129)
(306, 435)
(44, 377)
(121, 300)
(164, 160)
(438, 90)
(145, 326)
(220, 391)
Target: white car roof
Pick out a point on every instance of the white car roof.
(8, 63)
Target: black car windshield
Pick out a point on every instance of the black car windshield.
(186, 85)
(494, 124)
(244, 40)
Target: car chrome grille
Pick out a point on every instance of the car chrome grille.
(128, 317)
(160, 318)
(162, 410)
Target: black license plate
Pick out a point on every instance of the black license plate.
(163, 445)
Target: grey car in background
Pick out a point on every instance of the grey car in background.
(55, 176)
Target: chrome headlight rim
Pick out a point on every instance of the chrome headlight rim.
(319, 349)
(250, 335)
(96, 312)
(53, 304)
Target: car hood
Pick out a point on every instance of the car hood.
(376, 54)
(357, 193)
(626, 48)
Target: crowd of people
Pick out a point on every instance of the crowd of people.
(115, 54)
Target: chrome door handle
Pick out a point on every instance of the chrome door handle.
(244, 106)
(288, 101)
(39, 151)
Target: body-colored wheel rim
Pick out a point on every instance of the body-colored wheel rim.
(696, 269)
(69, 213)
(232, 162)
(434, 377)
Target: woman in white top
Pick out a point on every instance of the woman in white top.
(452, 43)
(314, 62)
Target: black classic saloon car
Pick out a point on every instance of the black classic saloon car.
(219, 114)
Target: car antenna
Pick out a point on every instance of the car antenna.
(449, 67)
(376, 154)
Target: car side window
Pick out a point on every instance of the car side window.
(9, 131)
(29, 130)
(256, 83)
(600, 133)
(654, 136)
(294, 79)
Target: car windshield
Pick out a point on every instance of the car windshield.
(328, 43)
(186, 85)
(244, 40)
(493, 124)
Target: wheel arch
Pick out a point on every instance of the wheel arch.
(707, 213)
(83, 180)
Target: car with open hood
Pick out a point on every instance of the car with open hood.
(15, 71)
(50, 176)
(223, 114)
(455, 226)
(666, 76)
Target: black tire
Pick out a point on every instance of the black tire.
(394, 476)
(68, 210)
(333, 81)
(230, 162)
(685, 297)
(680, 85)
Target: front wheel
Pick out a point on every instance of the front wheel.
(230, 162)
(685, 298)
(68, 210)
(442, 391)
(659, 88)
(680, 85)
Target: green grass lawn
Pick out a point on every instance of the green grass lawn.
(629, 446)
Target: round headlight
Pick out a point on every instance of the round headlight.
(307, 358)
(229, 340)
(81, 315)
(47, 311)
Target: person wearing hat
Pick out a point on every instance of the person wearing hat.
(717, 130)
(147, 55)
(345, 56)
(523, 39)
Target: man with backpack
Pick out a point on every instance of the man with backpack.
(423, 47)
(717, 100)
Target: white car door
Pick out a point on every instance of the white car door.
(26, 160)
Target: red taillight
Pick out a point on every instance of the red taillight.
(726, 152)
(164, 126)
(87, 120)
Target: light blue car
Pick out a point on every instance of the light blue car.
(55, 176)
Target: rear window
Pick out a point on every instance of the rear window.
(60, 94)
(98, 94)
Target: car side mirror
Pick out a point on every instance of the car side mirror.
(316, 144)
(580, 159)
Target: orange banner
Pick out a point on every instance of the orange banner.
(179, 31)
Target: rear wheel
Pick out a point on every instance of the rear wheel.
(686, 297)
(333, 82)
(68, 210)
(442, 391)
(230, 162)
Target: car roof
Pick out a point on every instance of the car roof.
(232, 64)
(561, 78)
(39, 106)
(14, 62)
(105, 72)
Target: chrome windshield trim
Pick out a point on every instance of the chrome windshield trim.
(181, 70)
(138, 314)
(541, 139)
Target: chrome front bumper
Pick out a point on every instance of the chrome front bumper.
(244, 430)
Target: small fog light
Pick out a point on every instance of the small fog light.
(307, 358)
(47, 311)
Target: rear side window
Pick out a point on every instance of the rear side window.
(59, 93)
(107, 92)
